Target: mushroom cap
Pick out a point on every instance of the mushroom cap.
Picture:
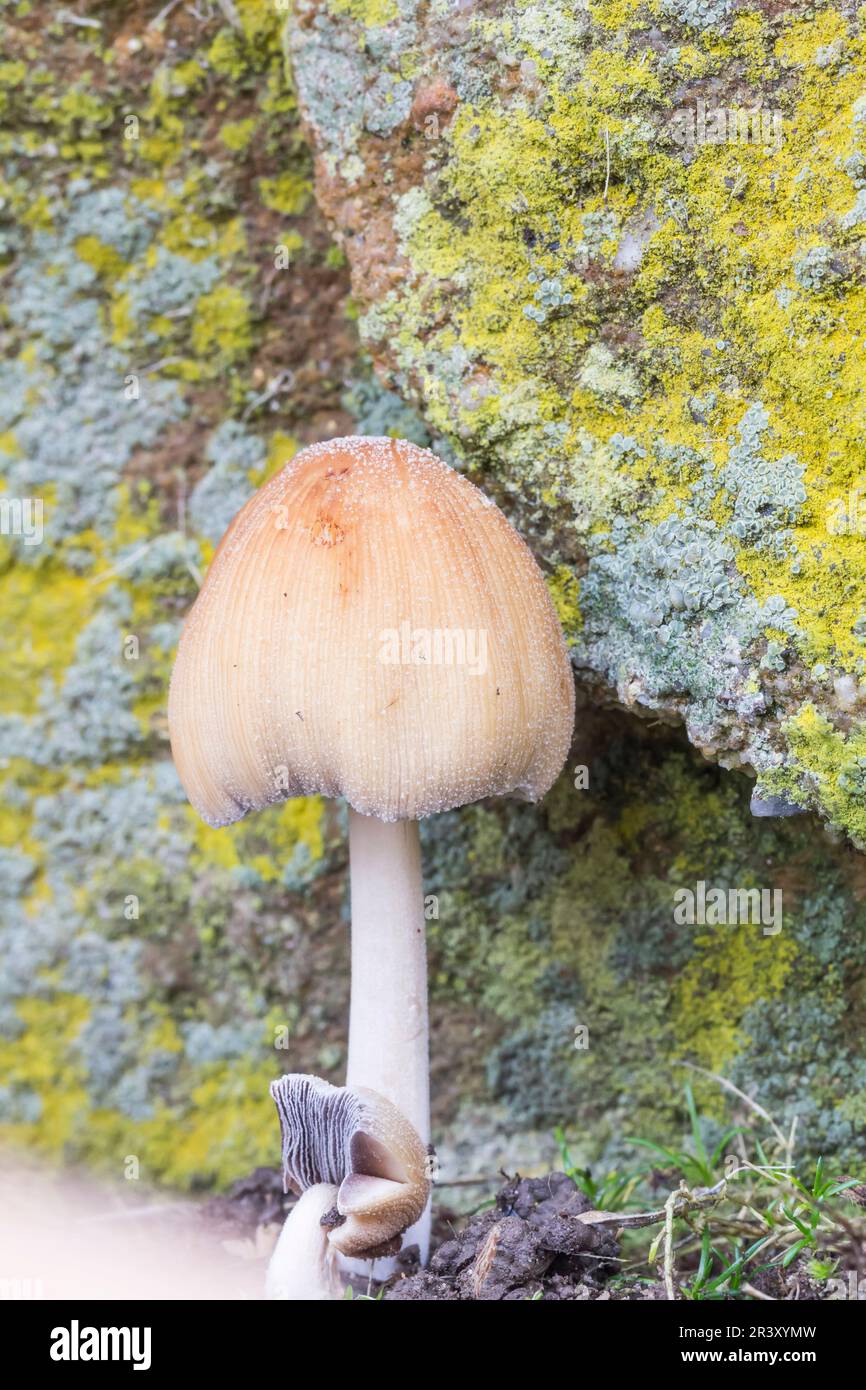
(356, 1140)
(371, 627)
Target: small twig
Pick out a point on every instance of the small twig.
(180, 476)
(231, 14)
(789, 1147)
(735, 1090)
(162, 362)
(163, 15)
(756, 1293)
(738, 184)
(181, 526)
(121, 565)
(467, 1182)
(607, 161)
(283, 380)
(669, 1244)
(80, 20)
(683, 1201)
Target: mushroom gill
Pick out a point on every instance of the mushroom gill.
(359, 1143)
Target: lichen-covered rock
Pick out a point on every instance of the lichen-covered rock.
(616, 250)
(175, 321)
(156, 235)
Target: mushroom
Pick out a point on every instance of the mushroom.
(303, 1266)
(362, 1175)
(373, 628)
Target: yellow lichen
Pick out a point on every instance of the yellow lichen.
(221, 329)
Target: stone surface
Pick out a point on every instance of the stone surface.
(149, 965)
(615, 251)
(173, 327)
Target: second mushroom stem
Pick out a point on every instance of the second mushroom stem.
(388, 1043)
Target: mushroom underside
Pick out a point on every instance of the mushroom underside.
(357, 1142)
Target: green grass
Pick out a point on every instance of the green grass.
(745, 1206)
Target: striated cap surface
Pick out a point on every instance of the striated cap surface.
(371, 627)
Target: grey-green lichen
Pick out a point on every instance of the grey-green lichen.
(581, 937)
(147, 973)
(592, 237)
(156, 367)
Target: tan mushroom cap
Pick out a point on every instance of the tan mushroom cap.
(371, 627)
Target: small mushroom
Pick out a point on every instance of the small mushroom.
(372, 627)
(362, 1175)
(303, 1267)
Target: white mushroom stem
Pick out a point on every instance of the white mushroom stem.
(303, 1266)
(388, 1047)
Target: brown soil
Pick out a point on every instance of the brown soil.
(526, 1245)
(529, 1244)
